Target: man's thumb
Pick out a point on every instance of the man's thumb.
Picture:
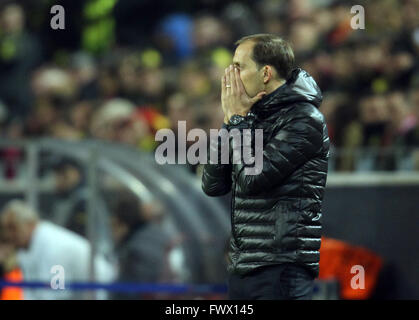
(259, 96)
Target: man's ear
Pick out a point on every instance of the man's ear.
(267, 74)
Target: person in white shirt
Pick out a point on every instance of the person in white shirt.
(46, 251)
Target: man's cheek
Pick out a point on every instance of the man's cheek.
(245, 84)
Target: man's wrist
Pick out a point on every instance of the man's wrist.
(240, 113)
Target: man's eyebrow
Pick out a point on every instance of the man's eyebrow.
(236, 63)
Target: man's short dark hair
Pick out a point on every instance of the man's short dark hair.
(271, 50)
(127, 209)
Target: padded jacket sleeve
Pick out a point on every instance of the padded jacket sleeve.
(216, 178)
(293, 144)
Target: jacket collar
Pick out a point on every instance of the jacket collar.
(300, 87)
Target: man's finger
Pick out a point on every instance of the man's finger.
(228, 83)
(238, 82)
(259, 96)
(233, 80)
(223, 86)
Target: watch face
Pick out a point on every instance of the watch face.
(235, 119)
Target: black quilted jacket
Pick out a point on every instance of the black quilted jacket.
(276, 215)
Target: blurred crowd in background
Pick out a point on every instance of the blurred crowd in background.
(121, 70)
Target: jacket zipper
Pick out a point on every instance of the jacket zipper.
(232, 211)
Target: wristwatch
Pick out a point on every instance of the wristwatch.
(235, 119)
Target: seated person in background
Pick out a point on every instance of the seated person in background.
(41, 245)
(140, 243)
(9, 271)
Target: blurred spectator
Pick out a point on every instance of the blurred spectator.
(209, 32)
(110, 118)
(68, 207)
(141, 243)
(41, 245)
(20, 52)
(174, 37)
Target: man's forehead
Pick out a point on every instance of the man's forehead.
(243, 52)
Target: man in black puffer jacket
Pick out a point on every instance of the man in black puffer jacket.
(276, 214)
